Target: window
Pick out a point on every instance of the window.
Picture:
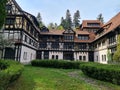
(82, 46)
(69, 37)
(43, 45)
(68, 45)
(17, 36)
(80, 57)
(56, 56)
(10, 21)
(112, 39)
(97, 58)
(55, 45)
(99, 44)
(83, 37)
(104, 57)
(32, 31)
(93, 24)
(52, 56)
(84, 58)
(30, 41)
(25, 56)
(25, 38)
(8, 7)
(103, 43)
(56, 38)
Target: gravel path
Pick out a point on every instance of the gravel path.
(93, 82)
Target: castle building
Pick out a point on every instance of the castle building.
(91, 42)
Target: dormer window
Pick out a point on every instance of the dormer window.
(83, 37)
(68, 37)
(93, 24)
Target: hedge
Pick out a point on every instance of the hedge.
(109, 73)
(10, 71)
(56, 64)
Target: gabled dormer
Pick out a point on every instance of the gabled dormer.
(91, 25)
(69, 35)
(69, 31)
(13, 8)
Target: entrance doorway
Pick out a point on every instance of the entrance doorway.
(68, 55)
(9, 53)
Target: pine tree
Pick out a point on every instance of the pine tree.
(76, 18)
(100, 18)
(2, 12)
(63, 23)
(68, 20)
(39, 19)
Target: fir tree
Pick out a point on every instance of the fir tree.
(63, 23)
(100, 18)
(68, 20)
(76, 18)
(39, 19)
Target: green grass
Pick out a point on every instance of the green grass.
(36, 78)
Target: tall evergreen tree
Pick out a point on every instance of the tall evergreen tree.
(2, 12)
(100, 18)
(68, 20)
(76, 18)
(39, 19)
(63, 23)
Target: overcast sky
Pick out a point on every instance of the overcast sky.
(53, 10)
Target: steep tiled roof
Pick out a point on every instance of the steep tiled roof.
(111, 25)
(84, 23)
(53, 32)
(91, 36)
(114, 23)
(81, 32)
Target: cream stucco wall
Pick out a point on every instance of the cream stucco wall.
(98, 55)
(60, 54)
(31, 54)
(77, 54)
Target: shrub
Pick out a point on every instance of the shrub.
(3, 65)
(109, 73)
(56, 64)
(12, 70)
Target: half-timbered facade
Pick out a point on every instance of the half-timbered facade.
(22, 29)
(91, 42)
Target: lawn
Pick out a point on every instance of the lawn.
(36, 78)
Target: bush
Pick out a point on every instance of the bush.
(56, 64)
(109, 73)
(3, 65)
(10, 72)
